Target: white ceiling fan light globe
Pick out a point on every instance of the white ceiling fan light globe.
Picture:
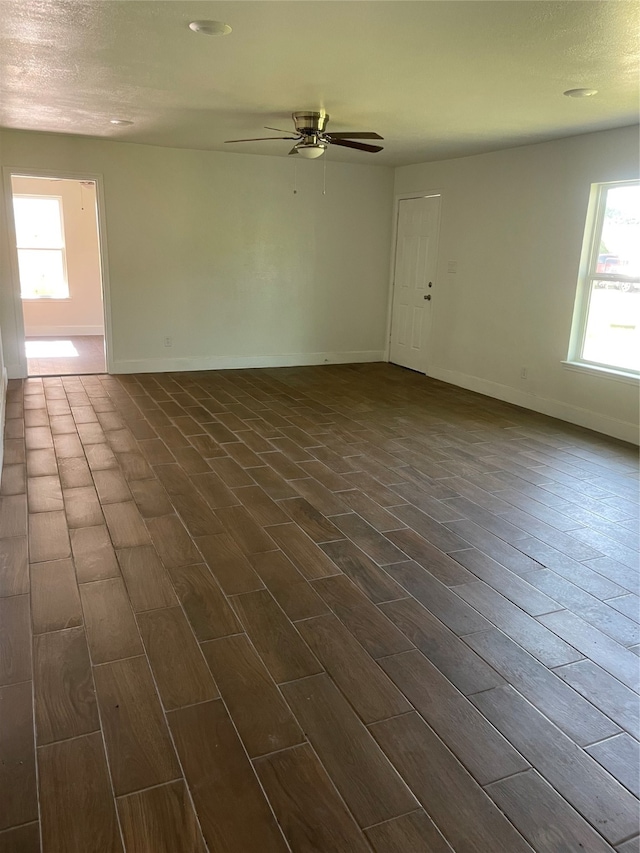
(311, 152)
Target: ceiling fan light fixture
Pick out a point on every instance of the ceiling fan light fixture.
(310, 152)
(210, 28)
(312, 139)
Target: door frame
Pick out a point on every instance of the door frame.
(394, 248)
(18, 171)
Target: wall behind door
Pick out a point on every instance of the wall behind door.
(82, 313)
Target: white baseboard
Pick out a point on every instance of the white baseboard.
(624, 430)
(221, 362)
(3, 410)
(61, 331)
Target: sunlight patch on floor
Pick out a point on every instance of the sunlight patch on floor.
(51, 349)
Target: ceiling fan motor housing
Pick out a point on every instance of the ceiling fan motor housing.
(309, 123)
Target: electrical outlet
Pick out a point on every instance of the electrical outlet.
(524, 373)
(168, 342)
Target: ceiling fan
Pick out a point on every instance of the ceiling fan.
(312, 139)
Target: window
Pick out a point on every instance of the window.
(40, 242)
(606, 327)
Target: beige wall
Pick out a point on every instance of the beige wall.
(216, 252)
(514, 222)
(82, 313)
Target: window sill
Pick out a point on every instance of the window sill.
(604, 372)
(45, 298)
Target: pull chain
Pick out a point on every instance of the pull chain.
(324, 175)
(295, 177)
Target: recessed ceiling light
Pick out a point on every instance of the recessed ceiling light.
(120, 122)
(580, 93)
(210, 28)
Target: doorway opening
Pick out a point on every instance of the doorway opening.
(60, 274)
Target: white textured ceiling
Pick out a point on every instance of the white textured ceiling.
(435, 79)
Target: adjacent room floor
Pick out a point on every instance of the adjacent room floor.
(332, 609)
(65, 356)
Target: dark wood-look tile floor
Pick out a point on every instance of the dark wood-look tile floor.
(332, 609)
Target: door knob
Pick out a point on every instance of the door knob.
(427, 296)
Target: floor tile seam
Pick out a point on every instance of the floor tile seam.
(13, 827)
(513, 686)
(34, 725)
(164, 715)
(176, 754)
(398, 776)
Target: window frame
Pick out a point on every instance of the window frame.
(61, 249)
(587, 276)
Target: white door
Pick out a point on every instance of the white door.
(414, 280)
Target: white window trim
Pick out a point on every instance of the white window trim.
(588, 261)
(602, 370)
(62, 249)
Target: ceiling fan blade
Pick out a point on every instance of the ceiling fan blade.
(260, 139)
(361, 146)
(279, 129)
(358, 135)
(294, 150)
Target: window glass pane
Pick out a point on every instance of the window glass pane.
(612, 335)
(611, 332)
(619, 250)
(42, 274)
(38, 223)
